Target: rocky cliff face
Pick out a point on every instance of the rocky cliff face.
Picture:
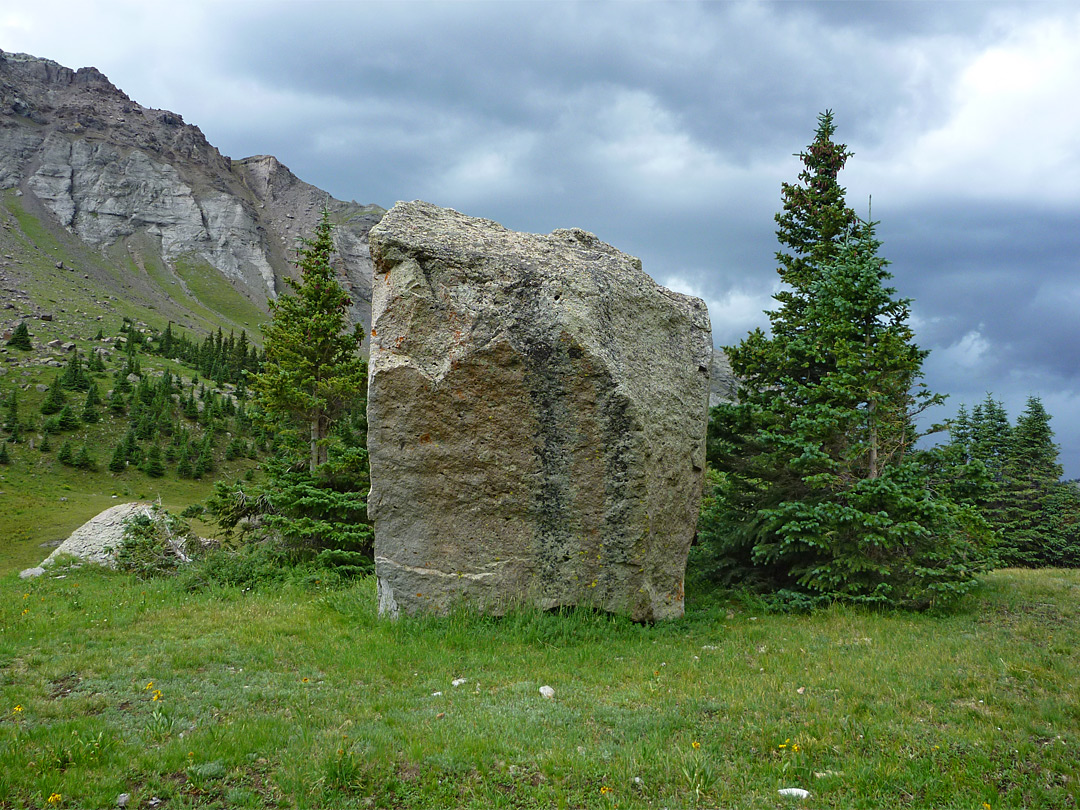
(112, 171)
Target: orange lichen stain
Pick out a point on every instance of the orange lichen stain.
(373, 332)
(425, 439)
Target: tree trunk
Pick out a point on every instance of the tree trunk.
(871, 409)
(318, 452)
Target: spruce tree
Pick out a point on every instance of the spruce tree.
(117, 404)
(313, 368)
(312, 379)
(153, 466)
(1031, 476)
(83, 460)
(184, 468)
(90, 413)
(5, 456)
(11, 412)
(66, 454)
(203, 464)
(118, 462)
(55, 399)
(121, 383)
(815, 220)
(960, 432)
(990, 432)
(20, 338)
(67, 419)
(132, 452)
(46, 444)
(821, 494)
(1062, 515)
(75, 377)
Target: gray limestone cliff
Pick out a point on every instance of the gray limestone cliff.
(537, 411)
(112, 171)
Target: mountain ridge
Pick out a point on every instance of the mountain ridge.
(142, 188)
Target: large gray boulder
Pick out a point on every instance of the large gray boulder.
(537, 408)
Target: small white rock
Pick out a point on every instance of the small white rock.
(458, 681)
(547, 692)
(436, 694)
(795, 793)
(123, 799)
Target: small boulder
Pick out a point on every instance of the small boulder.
(97, 539)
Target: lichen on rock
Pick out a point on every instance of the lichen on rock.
(537, 409)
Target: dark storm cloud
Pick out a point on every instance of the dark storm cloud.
(1011, 275)
(741, 77)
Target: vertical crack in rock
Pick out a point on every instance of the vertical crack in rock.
(537, 412)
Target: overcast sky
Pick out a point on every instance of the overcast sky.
(667, 129)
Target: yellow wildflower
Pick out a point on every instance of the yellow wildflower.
(17, 709)
(55, 798)
(695, 745)
(149, 685)
(604, 790)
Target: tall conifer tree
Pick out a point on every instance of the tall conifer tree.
(821, 493)
(313, 368)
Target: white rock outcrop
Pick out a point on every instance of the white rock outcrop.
(97, 539)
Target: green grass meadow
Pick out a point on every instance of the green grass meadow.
(301, 697)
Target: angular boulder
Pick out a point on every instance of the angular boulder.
(537, 408)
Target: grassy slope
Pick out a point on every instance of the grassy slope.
(299, 699)
(128, 281)
(42, 501)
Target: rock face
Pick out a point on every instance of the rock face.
(114, 172)
(723, 384)
(96, 539)
(537, 409)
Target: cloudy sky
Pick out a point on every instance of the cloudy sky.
(667, 129)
